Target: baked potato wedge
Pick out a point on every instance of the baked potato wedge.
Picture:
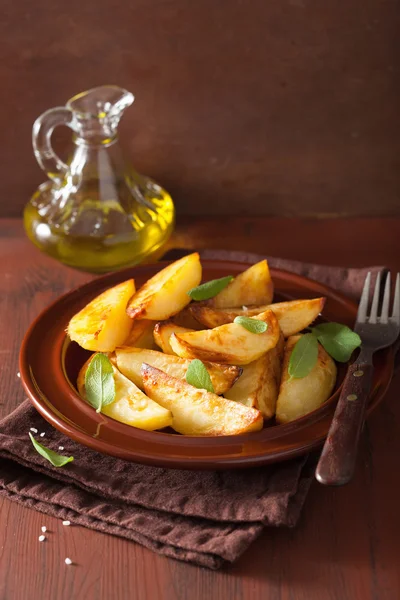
(141, 335)
(293, 316)
(253, 286)
(195, 411)
(131, 406)
(129, 361)
(103, 324)
(298, 397)
(228, 344)
(165, 294)
(258, 386)
(163, 331)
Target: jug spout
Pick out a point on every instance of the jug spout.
(101, 101)
(99, 110)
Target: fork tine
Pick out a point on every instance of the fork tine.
(396, 302)
(363, 306)
(375, 300)
(385, 305)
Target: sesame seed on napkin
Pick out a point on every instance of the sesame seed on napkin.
(208, 518)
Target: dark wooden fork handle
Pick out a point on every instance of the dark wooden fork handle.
(337, 462)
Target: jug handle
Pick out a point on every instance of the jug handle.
(41, 140)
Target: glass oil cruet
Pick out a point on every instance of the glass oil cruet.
(95, 213)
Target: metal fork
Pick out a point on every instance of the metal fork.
(337, 462)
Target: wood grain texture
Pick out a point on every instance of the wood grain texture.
(346, 545)
(258, 107)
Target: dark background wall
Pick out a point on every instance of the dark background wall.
(245, 106)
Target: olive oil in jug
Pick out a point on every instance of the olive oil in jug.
(95, 213)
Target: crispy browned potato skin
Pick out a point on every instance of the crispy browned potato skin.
(293, 316)
(130, 360)
(258, 386)
(298, 397)
(166, 293)
(163, 331)
(253, 286)
(198, 412)
(228, 344)
(184, 318)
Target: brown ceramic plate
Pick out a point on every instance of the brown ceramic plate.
(49, 365)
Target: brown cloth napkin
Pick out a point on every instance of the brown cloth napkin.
(205, 517)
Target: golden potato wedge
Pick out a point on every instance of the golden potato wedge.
(296, 315)
(297, 397)
(253, 286)
(163, 331)
(103, 324)
(293, 316)
(130, 360)
(197, 412)
(165, 294)
(258, 386)
(228, 344)
(141, 335)
(131, 406)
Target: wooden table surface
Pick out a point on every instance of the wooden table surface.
(346, 546)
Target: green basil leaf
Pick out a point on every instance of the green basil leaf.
(252, 325)
(208, 290)
(99, 382)
(338, 340)
(57, 460)
(304, 356)
(198, 376)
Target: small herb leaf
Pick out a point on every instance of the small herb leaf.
(208, 290)
(99, 382)
(252, 325)
(56, 459)
(198, 376)
(303, 357)
(338, 340)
